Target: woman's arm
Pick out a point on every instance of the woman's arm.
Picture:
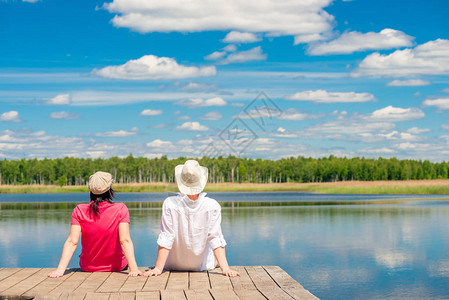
(128, 249)
(220, 255)
(162, 255)
(67, 251)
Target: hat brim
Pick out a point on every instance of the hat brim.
(189, 190)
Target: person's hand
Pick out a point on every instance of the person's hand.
(230, 273)
(56, 273)
(153, 272)
(134, 273)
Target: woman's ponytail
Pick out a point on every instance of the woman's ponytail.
(97, 199)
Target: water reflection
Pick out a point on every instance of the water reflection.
(349, 250)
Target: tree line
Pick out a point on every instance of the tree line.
(76, 171)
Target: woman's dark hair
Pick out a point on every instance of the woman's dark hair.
(96, 199)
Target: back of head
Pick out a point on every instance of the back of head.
(191, 177)
(100, 190)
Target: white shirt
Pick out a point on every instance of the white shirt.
(191, 230)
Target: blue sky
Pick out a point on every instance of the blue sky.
(266, 79)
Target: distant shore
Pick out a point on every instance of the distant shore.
(437, 186)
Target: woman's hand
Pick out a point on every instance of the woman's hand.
(153, 272)
(134, 273)
(55, 274)
(230, 273)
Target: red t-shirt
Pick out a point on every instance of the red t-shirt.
(101, 250)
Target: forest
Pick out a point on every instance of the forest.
(76, 171)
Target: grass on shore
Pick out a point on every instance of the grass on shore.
(439, 186)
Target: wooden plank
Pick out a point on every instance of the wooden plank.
(265, 284)
(72, 296)
(47, 285)
(134, 284)
(198, 295)
(47, 297)
(17, 290)
(113, 283)
(72, 283)
(97, 296)
(173, 294)
(156, 283)
(223, 294)
(15, 278)
(178, 281)
(242, 282)
(199, 281)
(252, 294)
(218, 280)
(154, 295)
(288, 284)
(92, 283)
(4, 273)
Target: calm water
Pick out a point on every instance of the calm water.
(337, 246)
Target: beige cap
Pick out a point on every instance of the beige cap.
(100, 182)
(191, 177)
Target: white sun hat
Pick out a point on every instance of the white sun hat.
(191, 177)
(100, 182)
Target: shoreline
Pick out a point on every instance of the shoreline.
(435, 186)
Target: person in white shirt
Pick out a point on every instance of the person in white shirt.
(191, 238)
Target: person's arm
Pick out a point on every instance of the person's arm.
(128, 249)
(162, 255)
(220, 255)
(67, 251)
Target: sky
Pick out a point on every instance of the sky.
(261, 79)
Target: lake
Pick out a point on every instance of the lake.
(337, 246)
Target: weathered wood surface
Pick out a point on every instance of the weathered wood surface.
(256, 282)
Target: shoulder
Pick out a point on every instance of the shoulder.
(212, 204)
(82, 207)
(171, 202)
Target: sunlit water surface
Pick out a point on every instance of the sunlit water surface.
(336, 246)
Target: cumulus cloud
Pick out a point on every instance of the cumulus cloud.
(198, 87)
(306, 20)
(253, 54)
(192, 126)
(10, 116)
(440, 103)
(151, 67)
(118, 133)
(216, 55)
(241, 37)
(431, 58)
(159, 144)
(63, 99)
(354, 41)
(198, 102)
(211, 116)
(151, 112)
(410, 82)
(64, 115)
(416, 130)
(383, 150)
(322, 96)
(395, 114)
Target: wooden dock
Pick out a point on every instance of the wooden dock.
(255, 282)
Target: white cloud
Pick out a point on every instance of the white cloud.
(230, 48)
(151, 112)
(431, 58)
(354, 41)
(322, 96)
(10, 116)
(294, 115)
(395, 114)
(194, 103)
(241, 37)
(306, 20)
(150, 67)
(253, 54)
(95, 154)
(211, 116)
(444, 126)
(63, 99)
(440, 103)
(153, 155)
(192, 126)
(195, 87)
(383, 150)
(118, 133)
(216, 55)
(416, 130)
(159, 144)
(410, 82)
(31, 1)
(64, 115)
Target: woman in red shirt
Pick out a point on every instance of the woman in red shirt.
(106, 245)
